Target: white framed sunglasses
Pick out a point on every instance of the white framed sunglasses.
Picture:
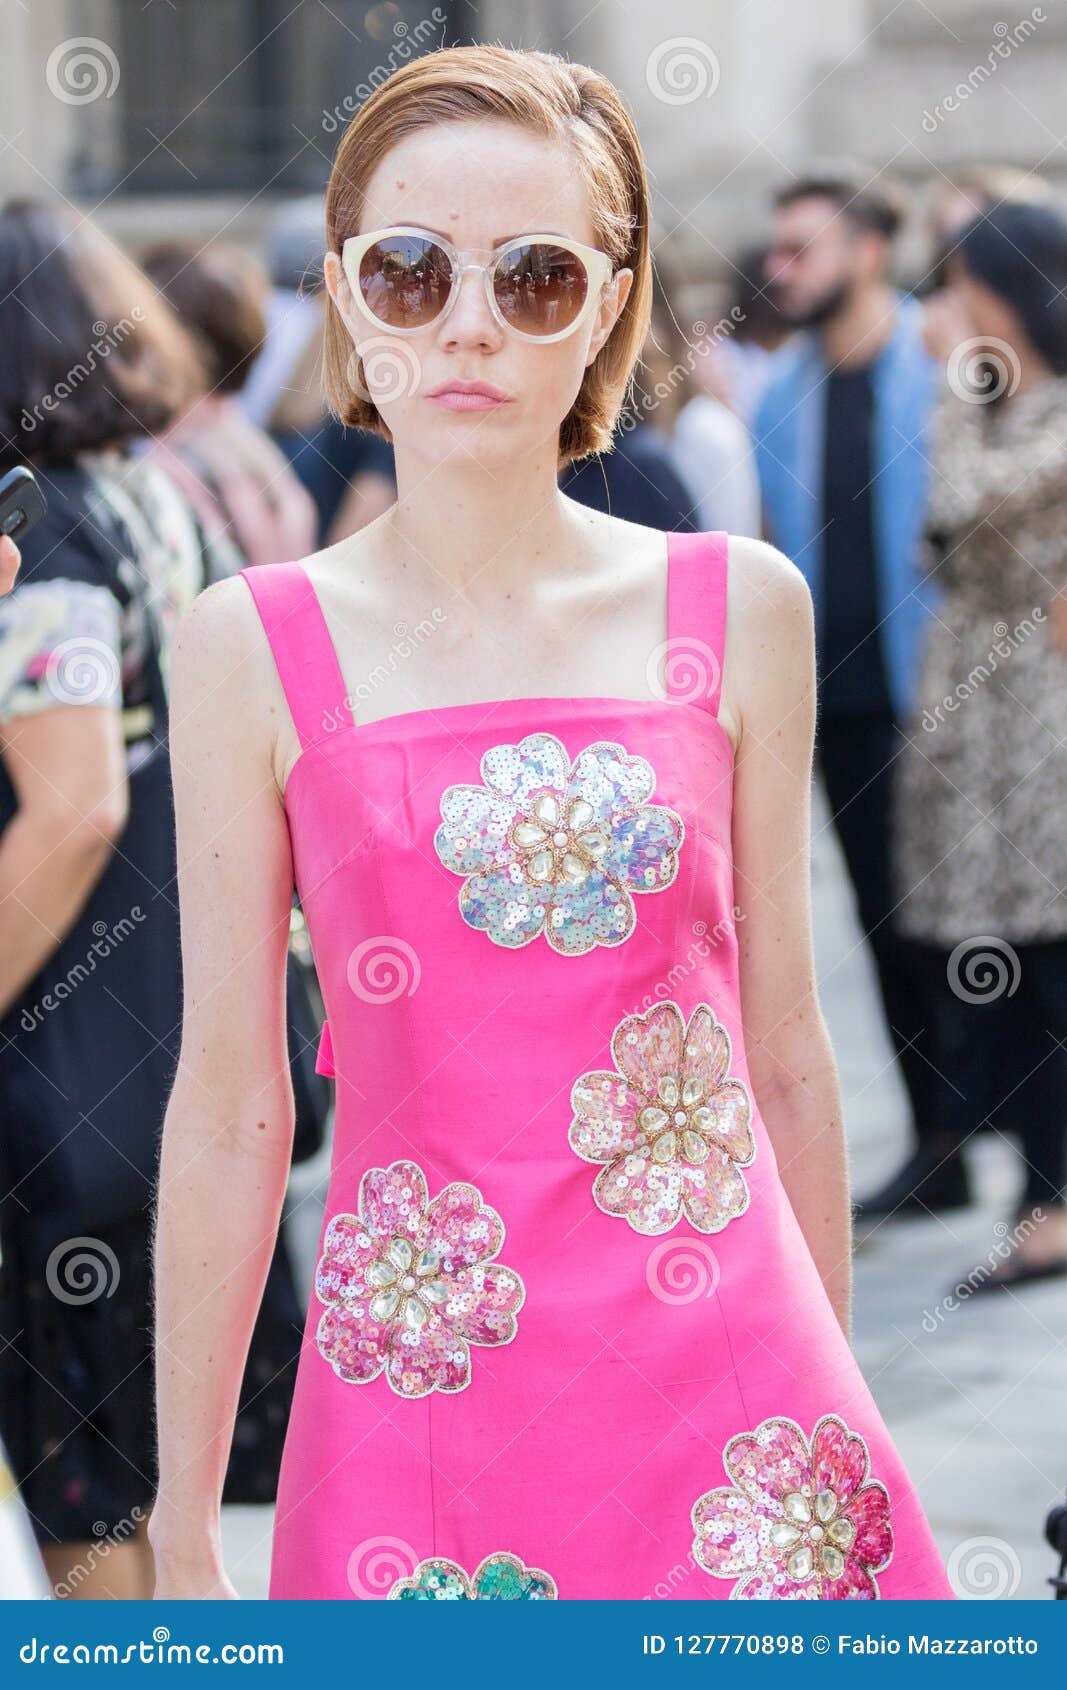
(539, 287)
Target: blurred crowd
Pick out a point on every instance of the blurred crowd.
(903, 438)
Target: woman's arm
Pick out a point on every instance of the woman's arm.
(769, 688)
(67, 767)
(228, 1132)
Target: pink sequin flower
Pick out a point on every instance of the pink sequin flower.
(801, 1521)
(557, 847)
(672, 1127)
(409, 1285)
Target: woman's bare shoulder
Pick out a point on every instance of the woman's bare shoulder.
(223, 677)
(770, 662)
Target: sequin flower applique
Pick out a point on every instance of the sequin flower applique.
(801, 1520)
(672, 1128)
(409, 1285)
(499, 1578)
(555, 847)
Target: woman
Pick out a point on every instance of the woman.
(982, 847)
(90, 987)
(89, 960)
(500, 1384)
(248, 499)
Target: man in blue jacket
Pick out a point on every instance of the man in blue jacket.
(839, 443)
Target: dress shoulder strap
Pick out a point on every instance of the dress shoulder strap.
(697, 566)
(303, 649)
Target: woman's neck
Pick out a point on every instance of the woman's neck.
(482, 531)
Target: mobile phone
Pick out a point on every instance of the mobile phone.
(21, 502)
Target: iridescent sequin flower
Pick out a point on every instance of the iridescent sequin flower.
(499, 1578)
(672, 1127)
(557, 847)
(409, 1284)
(803, 1521)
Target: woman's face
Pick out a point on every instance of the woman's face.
(990, 317)
(477, 184)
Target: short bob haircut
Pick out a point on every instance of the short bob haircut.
(93, 356)
(220, 293)
(552, 97)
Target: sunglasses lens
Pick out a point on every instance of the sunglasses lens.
(405, 280)
(540, 289)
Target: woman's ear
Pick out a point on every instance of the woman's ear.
(610, 309)
(339, 291)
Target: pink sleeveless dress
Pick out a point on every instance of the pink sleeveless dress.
(566, 1338)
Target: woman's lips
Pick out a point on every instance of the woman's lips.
(468, 396)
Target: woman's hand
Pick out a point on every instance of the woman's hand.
(10, 558)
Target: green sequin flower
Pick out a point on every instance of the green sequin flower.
(499, 1578)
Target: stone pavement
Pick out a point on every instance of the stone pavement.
(974, 1395)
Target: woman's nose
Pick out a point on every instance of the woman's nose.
(470, 321)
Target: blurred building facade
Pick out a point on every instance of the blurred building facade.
(198, 115)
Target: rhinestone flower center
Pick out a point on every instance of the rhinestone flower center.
(406, 1284)
(557, 841)
(679, 1122)
(815, 1534)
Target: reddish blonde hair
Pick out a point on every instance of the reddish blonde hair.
(552, 97)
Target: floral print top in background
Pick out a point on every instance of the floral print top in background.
(76, 629)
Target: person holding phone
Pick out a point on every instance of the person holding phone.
(89, 951)
(10, 558)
